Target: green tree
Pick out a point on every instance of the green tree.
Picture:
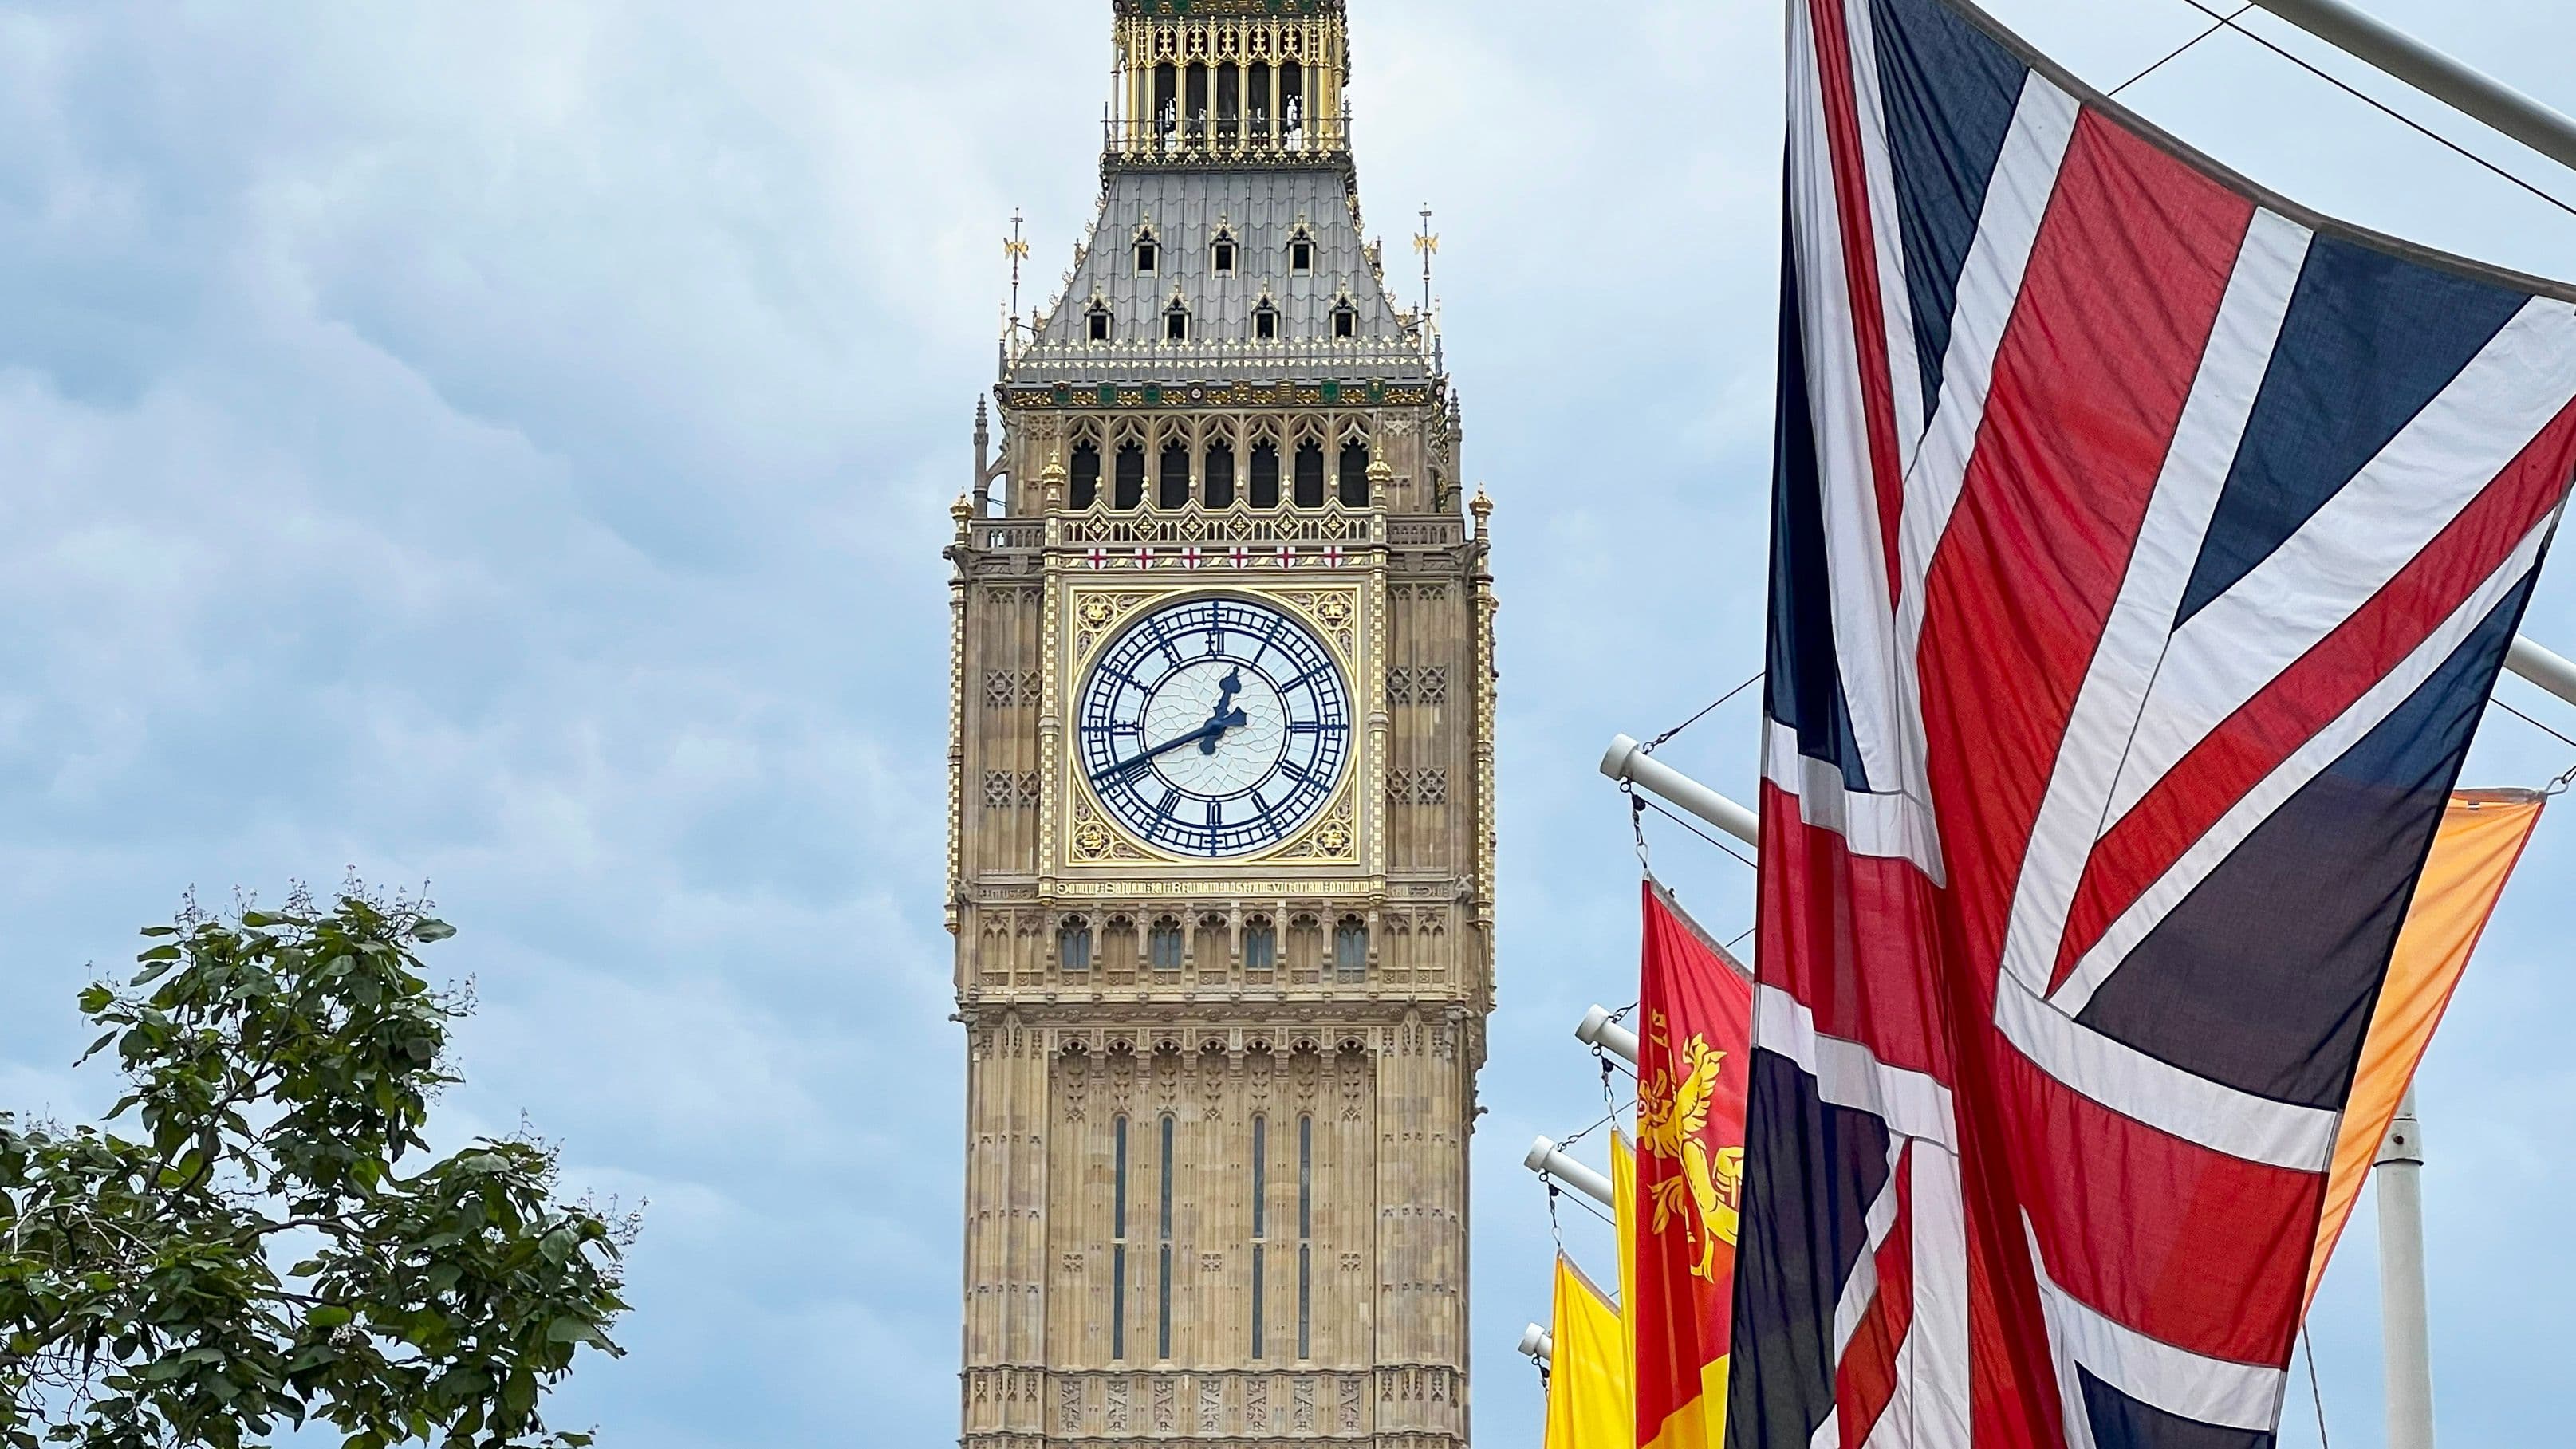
(271, 1247)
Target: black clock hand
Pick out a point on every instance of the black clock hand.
(1227, 689)
(1233, 720)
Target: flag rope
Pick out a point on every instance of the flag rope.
(1658, 741)
(2176, 53)
(2228, 22)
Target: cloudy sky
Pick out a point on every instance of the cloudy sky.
(508, 446)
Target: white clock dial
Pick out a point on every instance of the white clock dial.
(1214, 727)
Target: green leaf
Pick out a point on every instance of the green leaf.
(429, 932)
(95, 1000)
(327, 1315)
(569, 1330)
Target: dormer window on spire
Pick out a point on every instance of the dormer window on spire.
(1301, 250)
(1096, 322)
(1221, 253)
(1176, 323)
(1149, 252)
(1265, 321)
(1346, 320)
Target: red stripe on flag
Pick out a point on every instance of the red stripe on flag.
(1852, 937)
(2115, 311)
(1865, 1384)
(1837, 82)
(2182, 1243)
(2309, 695)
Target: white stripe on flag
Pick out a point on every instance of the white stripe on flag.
(2292, 775)
(2350, 548)
(1856, 558)
(1912, 1104)
(1892, 826)
(2149, 1370)
(1887, 237)
(2206, 438)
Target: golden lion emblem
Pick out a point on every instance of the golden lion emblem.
(1672, 1122)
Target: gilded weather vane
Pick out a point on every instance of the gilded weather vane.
(1426, 242)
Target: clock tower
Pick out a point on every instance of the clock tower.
(1221, 789)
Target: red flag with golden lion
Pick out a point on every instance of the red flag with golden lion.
(1695, 1019)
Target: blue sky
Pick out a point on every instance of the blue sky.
(509, 447)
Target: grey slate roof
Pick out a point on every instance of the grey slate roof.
(1262, 208)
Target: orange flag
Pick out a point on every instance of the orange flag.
(2482, 836)
(1695, 1043)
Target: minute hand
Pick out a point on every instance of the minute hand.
(1232, 720)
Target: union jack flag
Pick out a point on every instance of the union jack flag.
(2144, 549)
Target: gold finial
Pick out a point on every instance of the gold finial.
(1051, 480)
(961, 510)
(1482, 507)
(1381, 477)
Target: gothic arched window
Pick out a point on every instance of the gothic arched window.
(1354, 473)
(1130, 489)
(1260, 945)
(1260, 1224)
(1163, 1331)
(1086, 474)
(1218, 488)
(1265, 474)
(1173, 489)
(1305, 1237)
(1351, 949)
(1310, 474)
(1118, 1245)
(1163, 945)
(1073, 945)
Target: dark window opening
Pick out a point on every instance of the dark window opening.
(1073, 946)
(1260, 1223)
(1265, 475)
(1221, 256)
(1301, 254)
(1148, 256)
(1260, 942)
(1099, 324)
(1346, 321)
(1129, 490)
(1166, 98)
(1163, 943)
(1256, 99)
(1265, 323)
(1195, 105)
(1086, 475)
(1173, 491)
(1163, 1334)
(1354, 474)
(1310, 474)
(1219, 487)
(1292, 99)
(1176, 325)
(1305, 1236)
(1118, 1248)
(1229, 101)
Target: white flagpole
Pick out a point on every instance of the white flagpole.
(2405, 1326)
(2459, 86)
(1549, 1160)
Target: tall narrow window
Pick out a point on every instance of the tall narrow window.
(1173, 490)
(1118, 1247)
(1219, 487)
(1096, 324)
(1260, 1223)
(1194, 105)
(1086, 475)
(1265, 323)
(1163, 1314)
(1260, 946)
(1301, 252)
(1166, 98)
(1346, 321)
(1073, 946)
(1305, 1237)
(1310, 474)
(1229, 101)
(1149, 256)
(1292, 100)
(1164, 944)
(1256, 99)
(1350, 949)
(1221, 254)
(1176, 323)
(1354, 474)
(1130, 489)
(1265, 475)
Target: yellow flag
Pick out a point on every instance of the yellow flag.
(2483, 833)
(1587, 1387)
(1623, 1183)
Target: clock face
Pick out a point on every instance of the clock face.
(1215, 727)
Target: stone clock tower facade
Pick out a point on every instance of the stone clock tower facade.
(1221, 783)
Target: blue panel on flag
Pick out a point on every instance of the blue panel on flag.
(1950, 91)
(2234, 987)
(2369, 340)
(1803, 688)
(1806, 1208)
(2121, 1422)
